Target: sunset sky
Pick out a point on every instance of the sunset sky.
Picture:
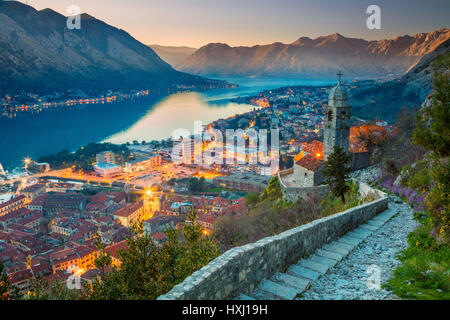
(249, 22)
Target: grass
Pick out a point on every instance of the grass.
(424, 273)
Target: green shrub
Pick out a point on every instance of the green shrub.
(425, 270)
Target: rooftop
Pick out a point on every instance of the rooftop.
(309, 162)
(106, 166)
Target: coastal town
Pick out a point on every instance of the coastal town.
(51, 219)
(13, 105)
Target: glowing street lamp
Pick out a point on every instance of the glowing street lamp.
(27, 161)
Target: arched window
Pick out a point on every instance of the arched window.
(330, 115)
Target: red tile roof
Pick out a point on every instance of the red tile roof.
(114, 249)
(13, 200)
(129, 209)
(310, 163)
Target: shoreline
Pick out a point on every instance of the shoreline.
(249, 95)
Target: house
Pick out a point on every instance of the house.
(130, 214)
(159, 223)
(114, 250)
(13, 205)
(34, 191)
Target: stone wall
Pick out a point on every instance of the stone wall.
(240, 269)
(293, 194)
(359, 160)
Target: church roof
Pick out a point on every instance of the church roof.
(309, 162)
(338, 93)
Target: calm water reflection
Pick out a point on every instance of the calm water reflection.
(143, 119)
(177, 111)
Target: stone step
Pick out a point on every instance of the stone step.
(337, 248)
(298, 271)
(322, 260)
(387, 214)
(281, 291)
(361, 233)
(315, 266)
(300, 284)
(356, 235)
(375, 223)
(350, 241)
(243, 297)
(330, 255)
(369, 227)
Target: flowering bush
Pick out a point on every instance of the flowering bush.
(411, 196)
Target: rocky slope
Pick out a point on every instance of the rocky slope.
(172, 55)
(38, 51)
(316, 58)
(384, 99)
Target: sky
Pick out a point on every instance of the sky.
(196, 23)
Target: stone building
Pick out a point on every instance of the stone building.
(337, 121)
(308, 166)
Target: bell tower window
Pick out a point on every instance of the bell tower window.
(330, 115)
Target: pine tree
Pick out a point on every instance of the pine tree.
(5, 285)
(337, 170)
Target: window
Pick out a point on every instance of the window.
(330, 115)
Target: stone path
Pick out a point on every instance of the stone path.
(340, 270)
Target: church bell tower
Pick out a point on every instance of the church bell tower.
(337, 120)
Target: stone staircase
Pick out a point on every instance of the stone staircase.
(298, 277)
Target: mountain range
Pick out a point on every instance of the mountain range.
(173, 55)
(38, 52)
(383, 99)
(315, 58)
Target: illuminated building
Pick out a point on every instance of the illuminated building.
(105, 157)
(143, 163)
(107, 169)
(13, 205)
(130, 214)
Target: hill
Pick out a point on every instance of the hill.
(371, 99)
(316, 58)
(38, 52)
(172, 55)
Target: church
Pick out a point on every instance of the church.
(309, 164)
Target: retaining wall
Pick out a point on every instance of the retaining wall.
(240, 269)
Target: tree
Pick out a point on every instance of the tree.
(432, 122)
(251, 198)
(368, 137)
(147, 271)
(337, 170)
(433, 132)
(273, 190)
(5, 285)
(103, 260)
